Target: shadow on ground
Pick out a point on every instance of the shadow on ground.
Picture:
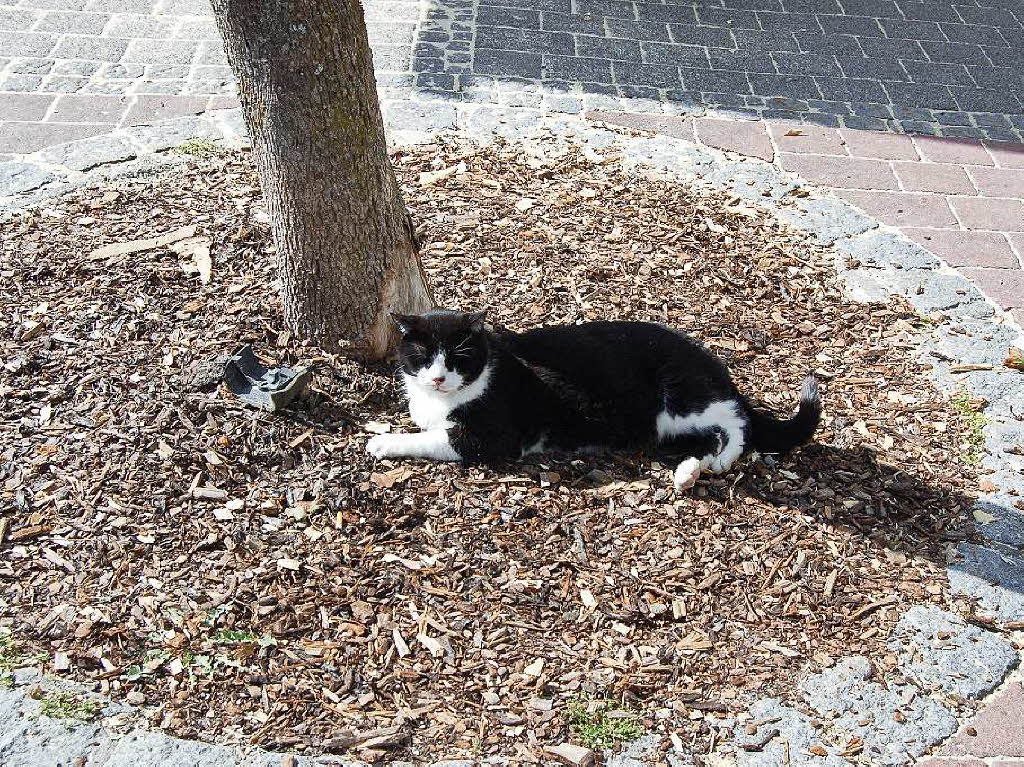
(890, 65)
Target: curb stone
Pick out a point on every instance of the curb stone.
(941, 652)
(861, 708)
(965, 323)
(30, 739)
(798, 733)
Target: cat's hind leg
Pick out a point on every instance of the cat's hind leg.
(696, 449)
(723, 421)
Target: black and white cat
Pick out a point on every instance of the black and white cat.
(480, 395)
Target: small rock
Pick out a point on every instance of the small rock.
(535, 668)
(136, 698)
(575, 756)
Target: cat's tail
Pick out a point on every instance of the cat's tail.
(770, 435)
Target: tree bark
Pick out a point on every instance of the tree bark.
(346, 248)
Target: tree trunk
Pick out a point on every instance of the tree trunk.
(346, 249)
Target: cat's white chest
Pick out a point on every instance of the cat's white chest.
(427, 411)
(431, 411)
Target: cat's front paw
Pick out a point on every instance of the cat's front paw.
(383, 445)
(686, 474)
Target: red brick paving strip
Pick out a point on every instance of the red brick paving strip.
(997, 724)
(953, 150)
(91, 108)
(147, 109)
(988, 213)
(670, 126)
(999, 182)
(1007, 155)
(902, 208)
(962, 199)
(1006, 288)
(933, 177)
(841, 172)
(31, 136)
(747, 137)
(960, 248)
(880, 146)
(24, 106)
(1017, 241)
(807, 139)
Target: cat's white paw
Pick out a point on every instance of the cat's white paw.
(384, 445)
(686, 474)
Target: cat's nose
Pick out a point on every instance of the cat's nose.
(438, 380)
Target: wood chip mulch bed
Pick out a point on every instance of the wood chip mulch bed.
(259, 578)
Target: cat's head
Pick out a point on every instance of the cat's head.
(442, 351)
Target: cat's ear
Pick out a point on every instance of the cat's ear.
(476, 321)
(405, 322)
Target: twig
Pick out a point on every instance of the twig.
(764, 741)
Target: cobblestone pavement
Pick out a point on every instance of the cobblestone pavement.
(70, 69)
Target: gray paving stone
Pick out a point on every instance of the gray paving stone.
(90, 48)
(30, 740)
(175, 52)
(122, 71)
(941, 652)
(19, 177)
(866, 285)
(211, 52)
(641, 752)
(30, 66)
(162, 136)
(86, 154)
(18, 19)
(994, 575)
(1007, 525)
(678, 159)
(929, 291)
(107, 87)
(827, 219)
(974, 343)
(14, 43)
(197, 29)
(138, 25)
(72, 22)
(887, 249)
(858, 707)
(424, 116)
(797, 734)
(751, 180)
(566, 104)
(21, 83)
(77, 68)
(62, 84)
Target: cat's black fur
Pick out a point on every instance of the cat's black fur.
(599, 384)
